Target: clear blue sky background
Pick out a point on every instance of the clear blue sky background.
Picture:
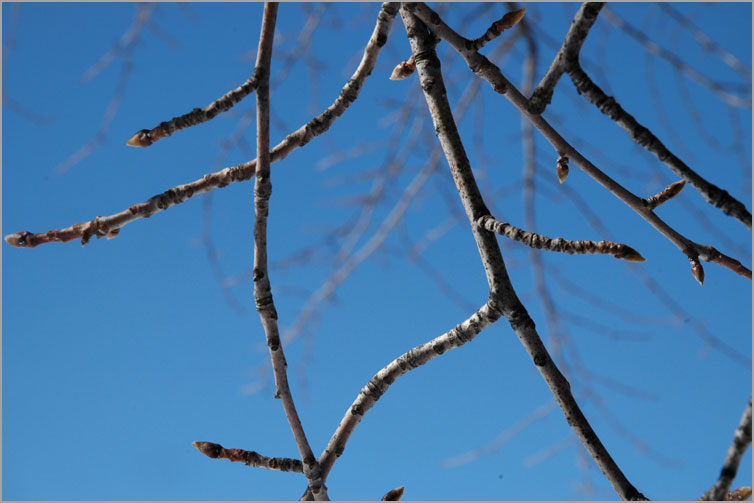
(117, 355)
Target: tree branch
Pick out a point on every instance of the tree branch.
(485, 69)
(567, 60)
(569, 51)
(110, 226)
(502, 295)
(379, 384)
(262, 288)
(534, 240)
(249, 458)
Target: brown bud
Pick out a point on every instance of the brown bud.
(698, 271)
(562, 169)
(208, 448)
(403, 70)
(740, 494)
(511, 19)
(625, 252)
(142, 138)
(394, 495)
(674, 188)
(14, 239)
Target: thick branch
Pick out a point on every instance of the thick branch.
(262, 288)
(741, 442)
(502, 294)
(110, 225)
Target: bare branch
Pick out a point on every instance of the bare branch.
(541, 242)
(741, 442)
(502, 293)
(481, 66)
(569, 51)
(567, 60)
(110, 226)
(379, 384)
(249, 458)
(262, 287)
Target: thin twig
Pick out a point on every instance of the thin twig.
(665, 194)
(250, 458)
(262, 287)
(509, 20)
(379, 384)
(741, 442)
(534, 240)
(109, 226)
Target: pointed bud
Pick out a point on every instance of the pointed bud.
(675, 188)
(698, 271)
(562, 172)
(403, 70)
(394, 495)
(625, 252)
(511, 19)
(562, 168)
(14, 239)
(208, 448)
(142, 138)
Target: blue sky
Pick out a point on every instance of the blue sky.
(119, 354)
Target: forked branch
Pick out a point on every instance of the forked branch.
(262, 287)
(485, 69)
(502, 294)
(109, 226)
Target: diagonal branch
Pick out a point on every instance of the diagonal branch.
(567, 60)
(262, 288)
(379, 384)
(109, 226)
(741, 442)
(485, 69)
